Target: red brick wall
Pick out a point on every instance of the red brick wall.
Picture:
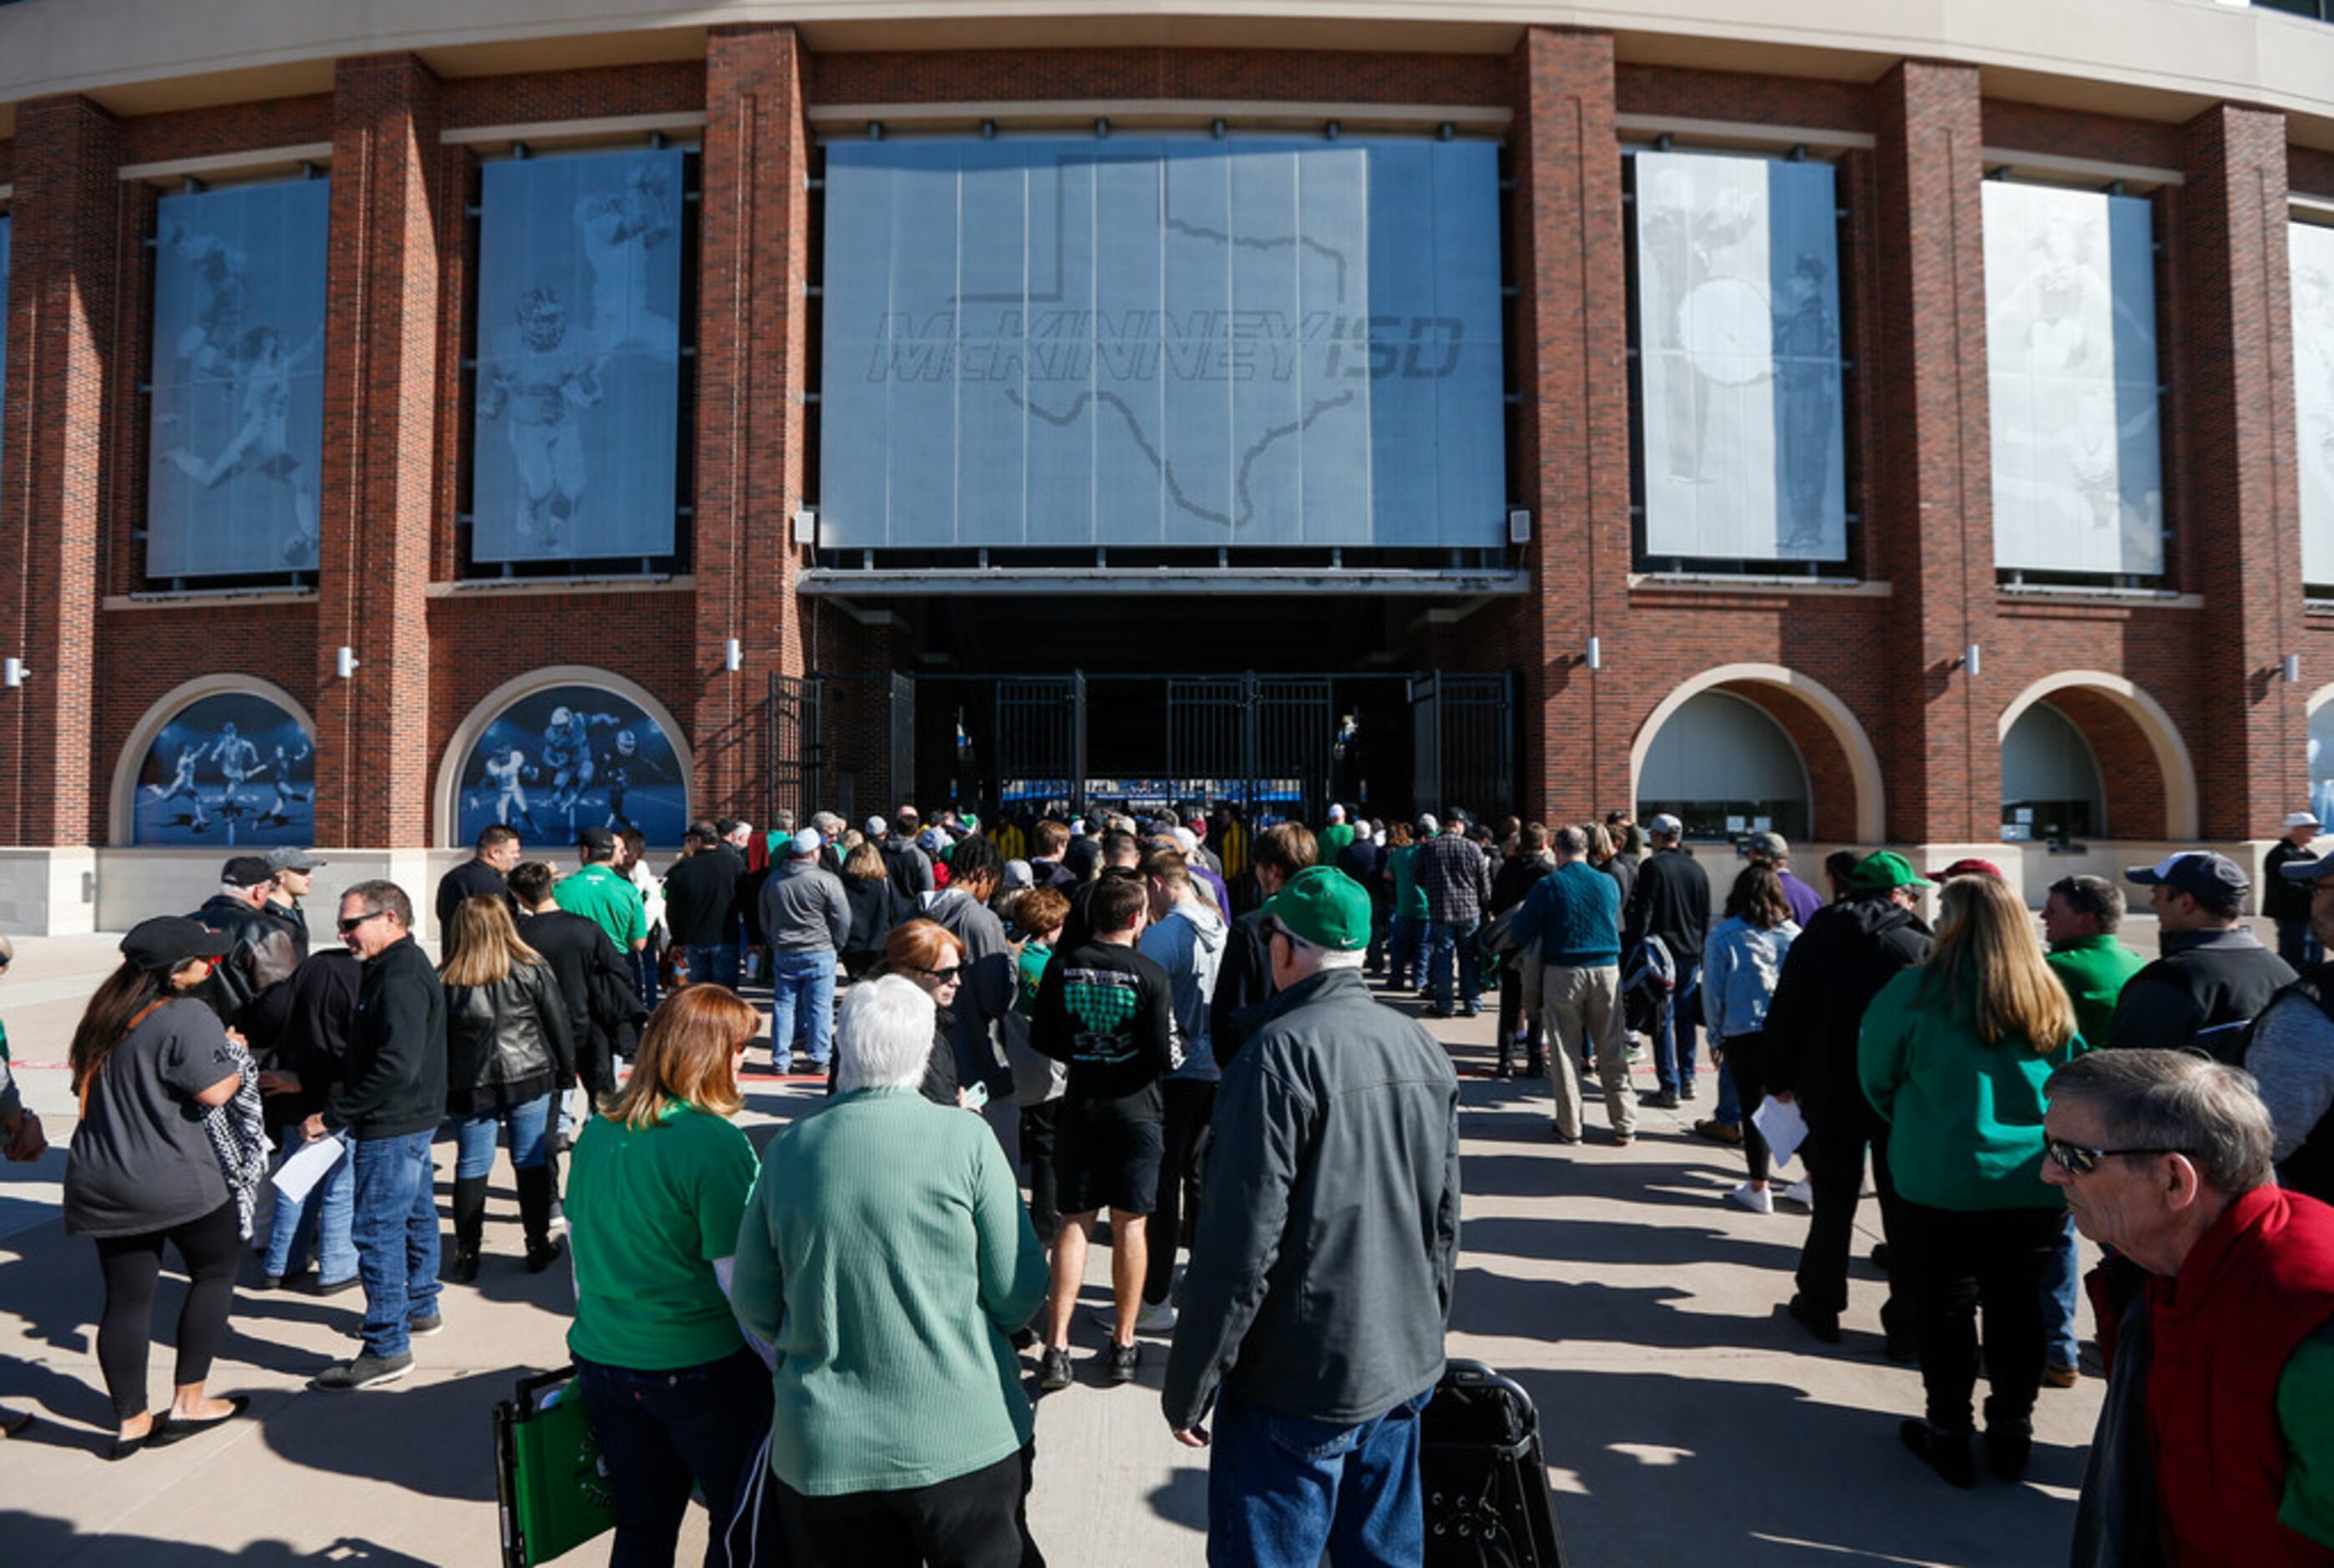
(2067, 133)
(2310, 170)
(661, 87)
(2131, 780)
(1324, 76)
(1744, 99)
(1831, 783)
(228, 128)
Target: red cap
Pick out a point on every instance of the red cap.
(1971, 867)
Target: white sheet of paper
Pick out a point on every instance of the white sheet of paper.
(297, 1176)
(1783, 1127)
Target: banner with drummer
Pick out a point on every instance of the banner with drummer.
(1738, 325)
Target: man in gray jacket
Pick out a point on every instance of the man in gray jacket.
(805, 916)
(1319, 1283)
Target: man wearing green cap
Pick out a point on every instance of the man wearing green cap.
(1847, 952)
(1319, 1283)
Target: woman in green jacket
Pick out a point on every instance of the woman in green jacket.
(1953, 1055)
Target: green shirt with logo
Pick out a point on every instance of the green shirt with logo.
(610, 900)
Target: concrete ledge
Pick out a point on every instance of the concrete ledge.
(48, 892)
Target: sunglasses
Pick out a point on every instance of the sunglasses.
(2076, 1161)
(348, 926)
(943, 975)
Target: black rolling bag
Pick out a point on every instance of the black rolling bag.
(1483, 1475)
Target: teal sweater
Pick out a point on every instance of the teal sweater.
(1965, 1118)
(1573, 913)
(886, 1256)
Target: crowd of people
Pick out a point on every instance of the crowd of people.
(1207, 1036)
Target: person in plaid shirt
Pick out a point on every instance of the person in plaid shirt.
(1456, 879)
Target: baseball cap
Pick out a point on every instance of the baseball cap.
(1325, 906)
(1668, 826)
(1767, 844)
(1185, 839)
(2200, 873)
(1883, 870)
(1427, 824)
(246, 871)
(2301, 819)
(598, 840)
(1969, 867)
(875, 827)
(1337, 813)
(167, 941)
(1017, 874)
(292, 859)
(808, 843)
(704, 831)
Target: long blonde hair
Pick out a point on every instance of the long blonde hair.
(1988, 964)
(483, 946)
(688, 1054)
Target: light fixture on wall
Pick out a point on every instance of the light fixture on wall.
(345, 663)
(1596, 653)
(2290, 667)
(13, 672)
(733, 656)
(1973, 659)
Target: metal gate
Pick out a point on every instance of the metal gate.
(1257, 740)
(795, 741)
(1041, 741)
(902, 736)
(1465, 748)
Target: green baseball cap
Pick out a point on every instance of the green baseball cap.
(1883, 870)
(1325, 906)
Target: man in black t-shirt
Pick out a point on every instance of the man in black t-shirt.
(481, 875)
(1107, 1011)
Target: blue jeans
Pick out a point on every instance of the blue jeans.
(1730, 1101)
(717, 964)
(396, 1232)
(318, 1223)
(644, 976)
(806, 979)
(2061, 1285)
(475, 1137)
(1445, 939)
(1406, 950)
(1282, 1487)
(663, 1431)
(1674, 1038)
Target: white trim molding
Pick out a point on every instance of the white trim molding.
(121, 827)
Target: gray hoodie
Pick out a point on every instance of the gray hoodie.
(1188, 942)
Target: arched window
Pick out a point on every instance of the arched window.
(223, 761)
(567, 748)
(2321, 762)
(2050, 786)
(1721, 766)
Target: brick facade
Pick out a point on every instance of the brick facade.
(74, 458)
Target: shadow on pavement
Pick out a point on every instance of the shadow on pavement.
(1184, 1500)
(434, 1438)
(36, 1539)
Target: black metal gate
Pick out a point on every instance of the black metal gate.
(1257, 740)
(902, 736)
(1041, 742)
(1465, 749)
(795, 738)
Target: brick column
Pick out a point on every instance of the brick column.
(66, 238)
(2234, 371)
(753, 251)
(1930, 527)
(374, 764)
(1571, 346)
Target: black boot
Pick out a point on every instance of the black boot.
(534, 1196)
(469, 1226)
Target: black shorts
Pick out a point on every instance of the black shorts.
(1104, 1159)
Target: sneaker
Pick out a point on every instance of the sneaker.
(367, 1371)
(2008, 1449)
(1122, 1362)
(1718, 1132)
(542, 1256)
(336, 1286)
(425, 1325)
(1561, 1136)
(1659, 1100)
(1823, 1325)
(1946, 1453)
(1801, 1193)
(1757, 1199)
(2057, 1377)
(1155, 1318)
(1054, 1369)
(1686, 1091)
(558, 1220)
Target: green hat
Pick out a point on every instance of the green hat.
(1325, 906)
(1883, 870)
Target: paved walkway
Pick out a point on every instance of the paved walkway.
(1687, 1421)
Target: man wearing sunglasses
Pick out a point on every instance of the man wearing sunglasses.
(2216, 1442)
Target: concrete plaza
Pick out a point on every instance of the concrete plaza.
(1686, 1419)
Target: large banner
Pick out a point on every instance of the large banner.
(238, 403)
(1738, 328)
(1163, 343)
(2313, 250)
(228, 770)
(2070, 351)
(569, 757)
(579, 358)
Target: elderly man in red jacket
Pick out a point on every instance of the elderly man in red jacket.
(2216, 1444)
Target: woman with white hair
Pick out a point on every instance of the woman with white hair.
(886, 1257)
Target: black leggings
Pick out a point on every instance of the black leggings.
(1745, 1058)
(131, 1264)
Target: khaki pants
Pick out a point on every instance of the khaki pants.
(1585, 1004)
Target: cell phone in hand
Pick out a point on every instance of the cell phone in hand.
(977, 1097)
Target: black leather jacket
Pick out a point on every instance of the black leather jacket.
(508, 1042)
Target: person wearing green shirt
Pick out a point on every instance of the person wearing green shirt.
(655, 1194)
(1335, 836)
(2080, 918)
(886, 1257)
(603, 894)
(1406, 927)
(1952, 1054)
